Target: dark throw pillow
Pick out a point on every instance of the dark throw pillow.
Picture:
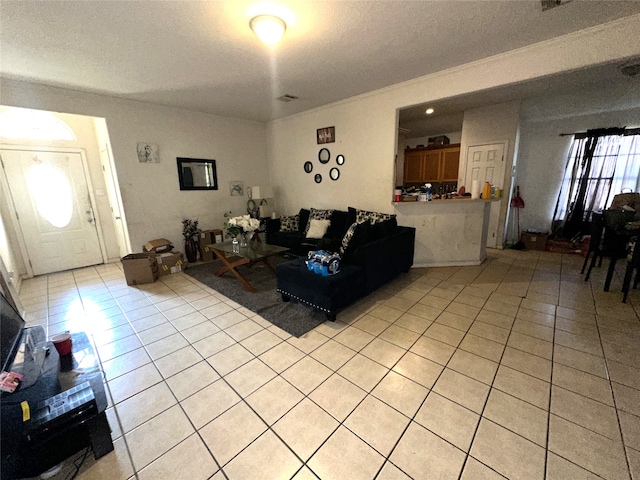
(383, 229)
(304, 219)
(357, 234)
(290, 223)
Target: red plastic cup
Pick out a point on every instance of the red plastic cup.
(62, 342)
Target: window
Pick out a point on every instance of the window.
(598, 168)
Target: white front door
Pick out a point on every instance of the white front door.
(50, 194)
(485, 163)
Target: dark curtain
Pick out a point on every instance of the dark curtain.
(583, 189)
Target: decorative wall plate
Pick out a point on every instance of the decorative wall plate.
(308, 167)
(324, 155)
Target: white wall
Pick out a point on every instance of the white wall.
(366, 126)
(13, 266)
(152, 200)
(543, 153)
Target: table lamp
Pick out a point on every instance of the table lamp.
(262, 193)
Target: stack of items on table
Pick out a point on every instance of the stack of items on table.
(157, 260)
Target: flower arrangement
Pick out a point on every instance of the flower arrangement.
(242, 224)
(190, 229)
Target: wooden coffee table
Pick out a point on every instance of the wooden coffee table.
(254, 252)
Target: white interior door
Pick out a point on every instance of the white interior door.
(485, 163)
(50, 193)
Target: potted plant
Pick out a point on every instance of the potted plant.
(190, 232)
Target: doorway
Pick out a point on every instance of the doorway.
(52, 196)
(85, 140)
(485, 163)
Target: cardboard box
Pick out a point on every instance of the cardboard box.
(159, 245)
(140, 268)
(565, 246)
(169, 263)
(534, 240)
(208, 237)
(437, 141)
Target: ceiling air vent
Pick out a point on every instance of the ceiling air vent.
(547, 4)
(286, 98)
(631, 69)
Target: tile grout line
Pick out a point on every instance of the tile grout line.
(613, 397)
(164, 381)
(548, 433)
(484, 406)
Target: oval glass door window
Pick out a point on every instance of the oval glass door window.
(308, 167)
(324, 155)
(318, 178)
(334, 174)
(53, 194)
(340, 159)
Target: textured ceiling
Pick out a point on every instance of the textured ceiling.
(202, 56)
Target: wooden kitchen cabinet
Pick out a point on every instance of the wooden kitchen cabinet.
(449, 163)
(429, 165)
(412, 167)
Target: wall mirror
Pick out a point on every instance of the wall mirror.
(308, 167)
(324, 155)
(340, 159)
(318, 178)
(197, 174)
(334, 173)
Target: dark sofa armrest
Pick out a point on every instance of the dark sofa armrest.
(272, 225)
(386, 257)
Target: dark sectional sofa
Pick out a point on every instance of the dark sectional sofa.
(376, 254)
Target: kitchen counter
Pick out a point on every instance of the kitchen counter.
(450, 200)
(448, 232)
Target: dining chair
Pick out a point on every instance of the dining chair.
(633, 263)
(597, 229)
(614, 242)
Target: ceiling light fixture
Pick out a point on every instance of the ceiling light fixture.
(268, 28)
(429, 111)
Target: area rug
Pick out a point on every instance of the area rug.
(292, 317)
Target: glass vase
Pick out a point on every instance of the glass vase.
(243, 240)
(235, 245)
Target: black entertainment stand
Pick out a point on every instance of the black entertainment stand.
(65, 413)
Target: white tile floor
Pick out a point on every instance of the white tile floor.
(516, 368)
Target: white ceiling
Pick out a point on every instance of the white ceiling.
(202, 56)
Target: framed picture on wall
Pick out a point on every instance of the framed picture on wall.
(148, 153)
(236, 188)
(326, 135)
